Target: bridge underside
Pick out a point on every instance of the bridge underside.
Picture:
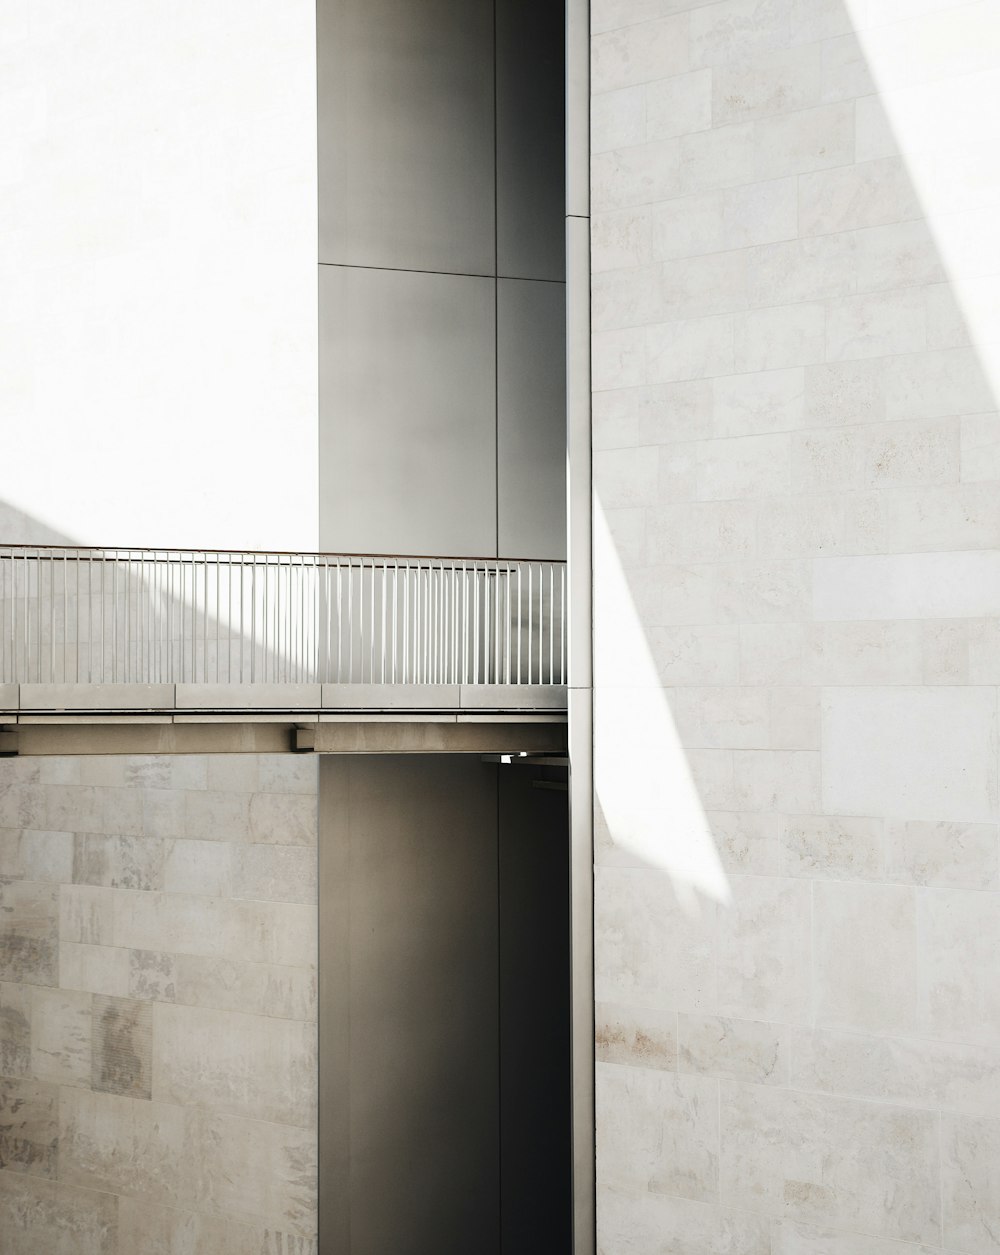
(281, 718)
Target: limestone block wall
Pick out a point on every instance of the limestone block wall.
(795, 426)
(158, 1005)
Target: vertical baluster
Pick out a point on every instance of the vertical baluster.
(385, 586)
(562, 624)
(551, 624)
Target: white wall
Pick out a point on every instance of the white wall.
(158, 272)
(796, 282)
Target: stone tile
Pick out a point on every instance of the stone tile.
(637, 54)
(927, 753)
(970, 1184)
(626, 477)
(779, 338)
(167, 771)
(86, 914)
(866, 956)
(685, 226)
(771, 401)
(865, 195)
(46, 856)
(216, 816)
(235, 985)
(905, 1070)
(29, 932)
(837, 848)
(642, 1037)
(936, 385)
(620, 238)
(748, 842)
(254, 1066)
(74, 808)
(94, 969)
(760, 213)
(201, 867)
(283, 818)
(810, 139)
(783, 81)
(678, 105)
(877, 325)
(162, 813)
(29, 1127)
(23, 806)
(258, 932)
(634, 1220)
(649, 952)
(908, 586)
(844, 392)
(39, 1216)
(15, 1030)
(122, 1047)
(234, 773)
(61, 1036)
(618, 119)
(744, 466)
(796, 718)
(123, 811)
(721, 718)
(823, 1160)
(151, 975)
(10, 854)
(736, 1050)
(126, 1146)
(119, 862)
(727, 31)
(255, 1171)
(658, 1131)
(946, 856)
(791, 1238)
(102, 769)
(144, 1229)
(959, 936)
(720, 158)
(764, 949)
(777, 780)
(275, 873)
(697, 348)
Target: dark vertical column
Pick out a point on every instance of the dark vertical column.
(535, 1091)
(531, 198)
(409, 1029)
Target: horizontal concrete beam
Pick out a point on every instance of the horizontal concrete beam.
(96, 697)
(365, 735)
(248, 696)
(279, 698)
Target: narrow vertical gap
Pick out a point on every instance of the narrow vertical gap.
(497, 770)
(496, 275)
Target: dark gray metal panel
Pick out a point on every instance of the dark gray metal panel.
(531, 443)
(530, 138)
(410, 1116)
(406, 134)
(407, 413)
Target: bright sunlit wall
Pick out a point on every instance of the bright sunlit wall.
(158, 273)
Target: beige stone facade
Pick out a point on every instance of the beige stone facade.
(794, 431)
(158, 1005)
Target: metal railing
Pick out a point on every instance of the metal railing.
(147, 616)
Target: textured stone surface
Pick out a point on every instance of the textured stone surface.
(122, 1047)
(55, 1218)
(29, 1127)
(795, 369)
(158, 1007)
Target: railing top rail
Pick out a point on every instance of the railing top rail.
(167, 554)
